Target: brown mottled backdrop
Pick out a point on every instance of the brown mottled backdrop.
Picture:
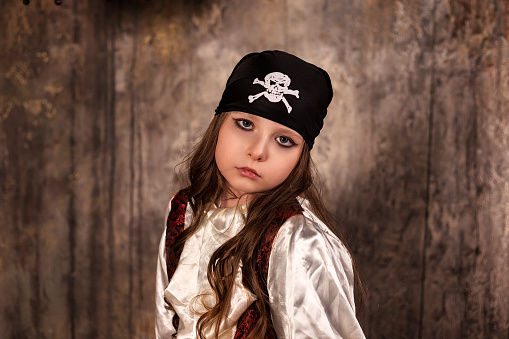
(100, 99)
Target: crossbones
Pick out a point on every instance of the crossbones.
(276, 86)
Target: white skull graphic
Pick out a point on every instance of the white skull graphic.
(276, 86)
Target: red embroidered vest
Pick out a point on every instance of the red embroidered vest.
(175, 225)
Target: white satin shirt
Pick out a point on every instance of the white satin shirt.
(310, 280)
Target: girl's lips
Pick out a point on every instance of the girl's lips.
(248, 172)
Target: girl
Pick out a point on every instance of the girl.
(248, 251)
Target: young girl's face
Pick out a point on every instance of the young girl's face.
(255, 154)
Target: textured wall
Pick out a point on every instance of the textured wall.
(100, 99)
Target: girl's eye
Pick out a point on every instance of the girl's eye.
(285, 141)
(244, 124)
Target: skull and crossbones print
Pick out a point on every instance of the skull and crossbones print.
(276, 86)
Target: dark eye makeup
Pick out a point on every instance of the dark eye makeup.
(285, 141)
(247, 125)
(244, 124)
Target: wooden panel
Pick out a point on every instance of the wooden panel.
(85, 138)
(35, 181)
(466, 248)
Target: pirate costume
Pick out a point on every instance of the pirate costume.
(303, 267)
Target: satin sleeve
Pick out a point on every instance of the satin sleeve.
(310, 282)
(163, 315)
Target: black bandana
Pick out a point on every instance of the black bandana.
(280, 87)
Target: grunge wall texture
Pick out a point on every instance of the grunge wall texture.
(99, 101)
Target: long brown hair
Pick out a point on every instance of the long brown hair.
(206, 184)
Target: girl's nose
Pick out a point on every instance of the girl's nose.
(258, 150)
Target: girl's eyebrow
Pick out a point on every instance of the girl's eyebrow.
(246, 115)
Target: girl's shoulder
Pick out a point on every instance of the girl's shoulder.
(306, 235)
(306, 222)
(305, 226)
(304, 249)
